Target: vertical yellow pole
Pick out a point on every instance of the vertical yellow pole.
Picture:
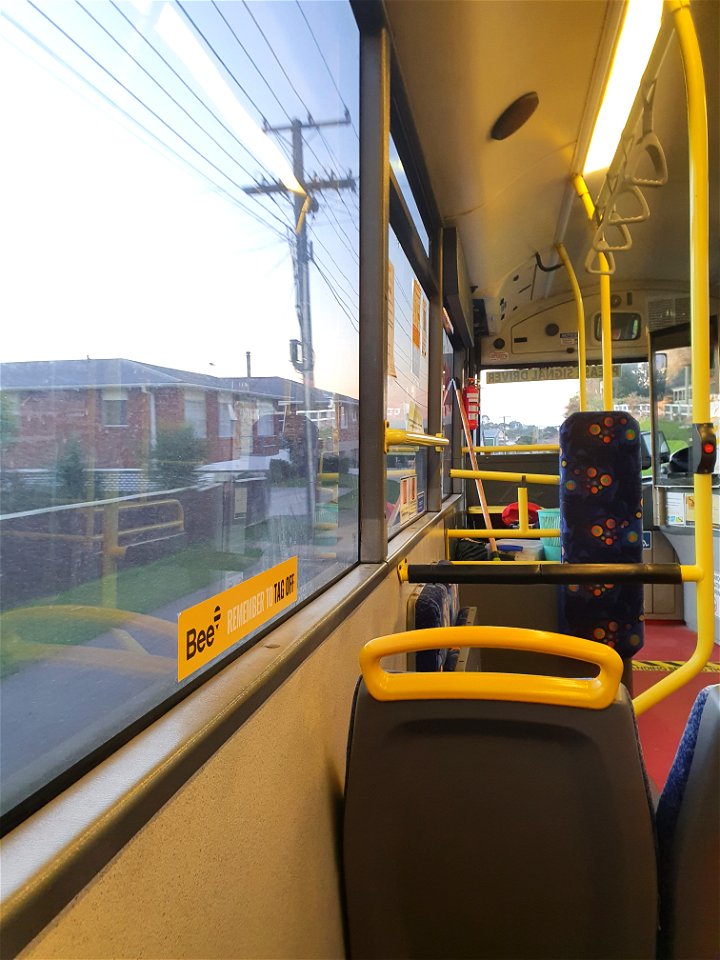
(108, 585)
(582, 356)
(700, 341)
(605, 317)
(523, 518)
(606, 326)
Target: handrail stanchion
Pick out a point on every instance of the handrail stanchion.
(523, 514)
(579, 306)
(605, 315)
(700, 346)
(473, 461)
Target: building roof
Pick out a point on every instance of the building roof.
(118, 372)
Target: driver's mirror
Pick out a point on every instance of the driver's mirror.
(646, 448)
(660, 363)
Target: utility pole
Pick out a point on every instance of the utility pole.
(304, 359)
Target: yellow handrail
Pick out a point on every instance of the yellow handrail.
(605, 315)
(700, 348)
(546, 478)
(500, 534)
(582, 359)
(517, 448)
(405, 438)
(594, 694)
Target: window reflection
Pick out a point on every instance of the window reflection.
(407, 387)
(448, 403)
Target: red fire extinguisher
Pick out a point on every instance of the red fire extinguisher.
(471, 399)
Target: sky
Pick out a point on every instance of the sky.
(540, 404)
(115, 247)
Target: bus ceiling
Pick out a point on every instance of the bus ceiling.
(512, 198)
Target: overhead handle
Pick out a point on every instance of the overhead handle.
(620, 196)
(647, 146)
(602, 244)
(594, 693)
(605, 263)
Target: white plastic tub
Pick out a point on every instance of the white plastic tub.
(522, 549)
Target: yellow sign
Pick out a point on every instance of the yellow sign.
(211, 627)
(532, 374)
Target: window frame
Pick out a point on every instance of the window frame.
(113, 395)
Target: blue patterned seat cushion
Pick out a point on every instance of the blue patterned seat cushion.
(601, 522)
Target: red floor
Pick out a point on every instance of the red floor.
(662, 726)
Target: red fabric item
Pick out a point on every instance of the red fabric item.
(511, 514)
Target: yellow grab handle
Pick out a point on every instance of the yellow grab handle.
(594, 693)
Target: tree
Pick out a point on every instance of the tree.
(573, 405)
(9, 426)
(633, 380)
(177, 453)
(70, 471)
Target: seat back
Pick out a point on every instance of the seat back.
(601, 522)
(484, 828)
(688, 822)
(434, 605)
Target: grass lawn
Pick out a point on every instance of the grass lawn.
(141, 589)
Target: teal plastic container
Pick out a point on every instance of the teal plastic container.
(549, 519)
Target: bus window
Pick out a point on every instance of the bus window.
(528, 405)
(179, 388)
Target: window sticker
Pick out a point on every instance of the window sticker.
(211, 627)
(416, 306)
(392, 372)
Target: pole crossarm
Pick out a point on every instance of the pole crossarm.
(314, 185)
(280, 128)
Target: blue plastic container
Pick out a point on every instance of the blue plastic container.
(549, 519)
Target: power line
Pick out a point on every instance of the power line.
(190, 90)
(293, 87)
(330, 74)
(252, 61)
(134, 120)
(317, 240)
(277, 59)
(343, 306)
(343, 231)
(351, 295)
(176, 102)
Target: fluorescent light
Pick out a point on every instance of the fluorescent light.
(182, 41)
(637, 38)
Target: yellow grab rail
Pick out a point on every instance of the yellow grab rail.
(500, 534)
(405, 438)
(546, 478)
(517, 448)
(700, 347)
(595, 693)
(582, 356)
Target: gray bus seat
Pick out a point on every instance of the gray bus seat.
(688, 823)
(478, 827)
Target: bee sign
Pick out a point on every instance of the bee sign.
(212, 626)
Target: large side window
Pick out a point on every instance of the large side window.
(180, 259)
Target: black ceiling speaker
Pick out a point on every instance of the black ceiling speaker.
(518, 113)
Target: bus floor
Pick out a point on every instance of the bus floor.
(666, 644)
